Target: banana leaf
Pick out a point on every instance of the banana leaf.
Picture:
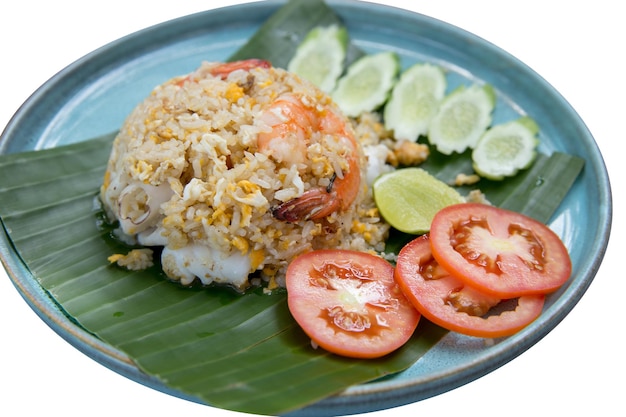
(233, 351)
(238, 352)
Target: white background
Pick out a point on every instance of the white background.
(577, 368)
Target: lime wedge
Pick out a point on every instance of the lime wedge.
(463, 117)
(321, 55)
(409, 198)
(506, 148)
(367, 83)
(414, 101)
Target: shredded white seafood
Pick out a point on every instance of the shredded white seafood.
(209, 265)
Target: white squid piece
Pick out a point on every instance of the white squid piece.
(138, 206)
(209, 265)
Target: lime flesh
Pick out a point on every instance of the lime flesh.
(409, 198)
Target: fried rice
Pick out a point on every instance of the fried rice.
(187, 179)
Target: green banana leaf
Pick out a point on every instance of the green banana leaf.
(233, 351)
(238, 352)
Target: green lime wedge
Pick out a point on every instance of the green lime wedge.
(409, 198)
(321, 55)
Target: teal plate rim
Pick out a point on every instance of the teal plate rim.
(144, 59)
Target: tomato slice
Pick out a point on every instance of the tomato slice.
(499, 252)
(348, 303)
(452, 304)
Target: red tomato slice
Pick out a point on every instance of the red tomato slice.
(451, 304)
(349, 303)
(499, 252)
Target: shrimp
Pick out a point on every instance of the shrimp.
(292, 124)
(222, 70)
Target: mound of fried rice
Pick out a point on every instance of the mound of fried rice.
(185, 178)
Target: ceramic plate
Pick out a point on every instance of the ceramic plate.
(93, 96)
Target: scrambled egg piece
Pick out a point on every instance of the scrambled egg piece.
(409, 153)
(135, 260)
(464, 179)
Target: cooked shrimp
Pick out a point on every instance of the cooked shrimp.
(223, 70)
(292, 123)
(291, 126)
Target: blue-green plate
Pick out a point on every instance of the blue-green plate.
(93, 96)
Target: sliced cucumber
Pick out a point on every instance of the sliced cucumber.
(462, 118)
(414, 101)
(321, 55)
(506, 148)
(367, 83)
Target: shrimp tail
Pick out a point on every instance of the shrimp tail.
(314, 204)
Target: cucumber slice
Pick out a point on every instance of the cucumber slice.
(414, 101)
(506, 148)
(321, 55)
(409, 198)
(367, 83)
(463, 117)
